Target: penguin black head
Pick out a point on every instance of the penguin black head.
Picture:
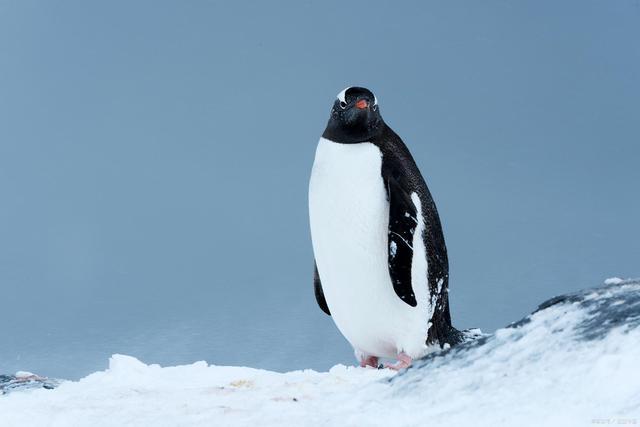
(355, 117)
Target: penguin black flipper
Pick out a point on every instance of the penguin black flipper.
(402, 178)
(402, 225)
(317, 286)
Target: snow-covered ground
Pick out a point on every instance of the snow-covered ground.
(574, 362)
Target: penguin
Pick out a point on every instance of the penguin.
(381, 267)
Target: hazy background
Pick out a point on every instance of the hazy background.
(155, 156)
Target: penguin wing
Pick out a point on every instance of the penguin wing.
(402, 225)
(317, 285)
(402, 179)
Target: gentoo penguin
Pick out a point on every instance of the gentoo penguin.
(381, 266)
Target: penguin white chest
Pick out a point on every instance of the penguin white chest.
(349, 216)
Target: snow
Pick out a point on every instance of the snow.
(574, 362)
(133, 393)
(613, 281)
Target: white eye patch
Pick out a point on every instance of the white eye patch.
(341, 95)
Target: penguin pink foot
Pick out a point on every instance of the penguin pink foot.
(404, 361)
(369, 361)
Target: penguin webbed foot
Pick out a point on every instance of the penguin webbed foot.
(371, 361)
(404, 361)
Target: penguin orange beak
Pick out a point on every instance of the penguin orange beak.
(362, 104)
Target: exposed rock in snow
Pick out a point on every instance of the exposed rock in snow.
(25, 380)
(572, 362)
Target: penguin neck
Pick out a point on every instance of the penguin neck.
(345, 135)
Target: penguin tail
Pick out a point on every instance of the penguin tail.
(454, 337)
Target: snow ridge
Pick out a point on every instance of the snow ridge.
(574, 361)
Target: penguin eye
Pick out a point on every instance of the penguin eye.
(343, 105)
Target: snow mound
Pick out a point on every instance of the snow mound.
(613, 281)
(572, 362)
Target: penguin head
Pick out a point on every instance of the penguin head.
(355, 117)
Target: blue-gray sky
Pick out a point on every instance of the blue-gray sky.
(154, 162)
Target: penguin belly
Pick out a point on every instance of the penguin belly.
(349, 217)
